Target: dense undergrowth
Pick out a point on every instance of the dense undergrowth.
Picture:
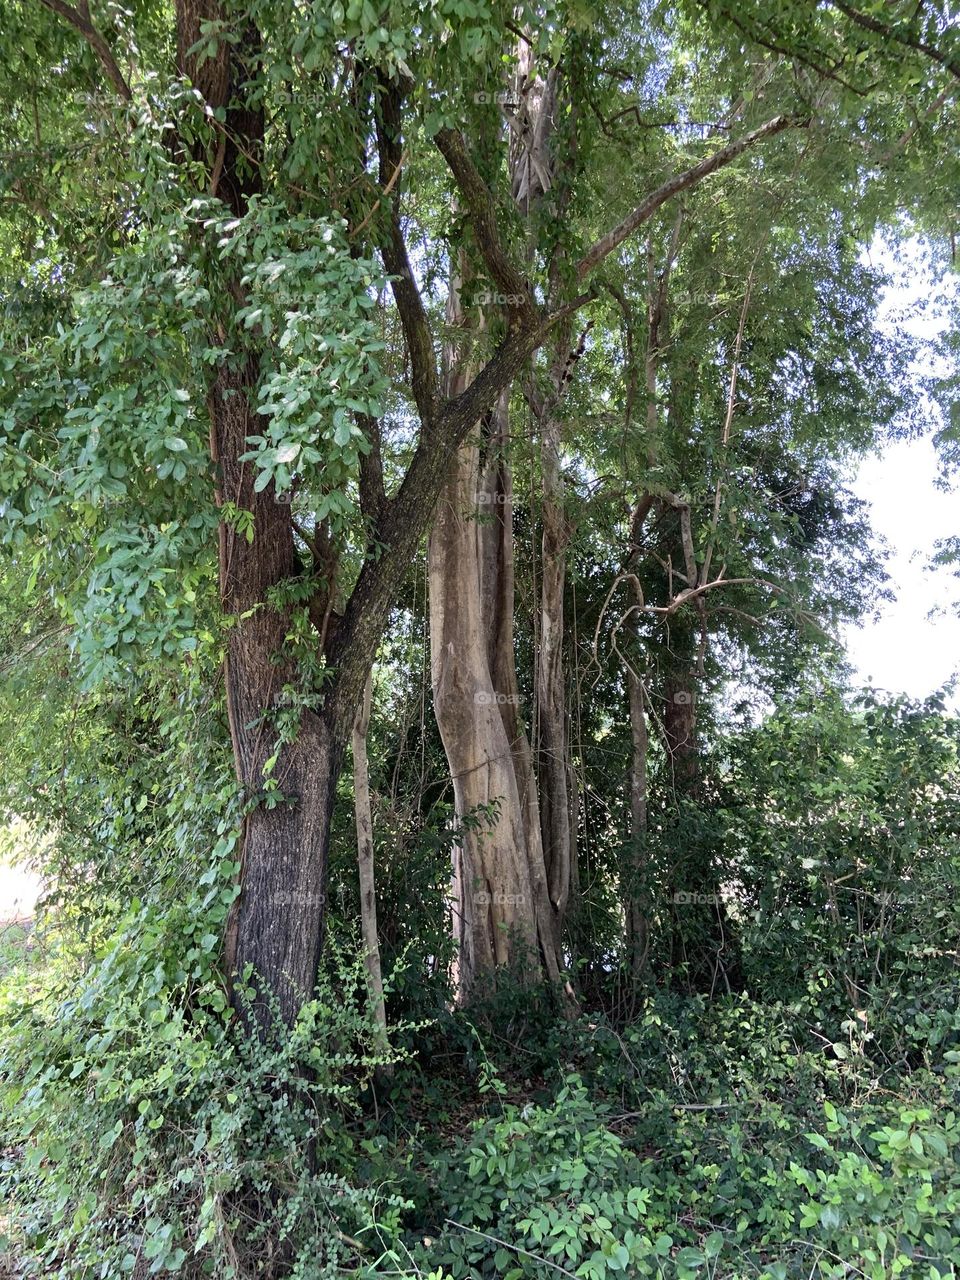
(804, 1124)
(727, 1139)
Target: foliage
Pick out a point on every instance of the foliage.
(151, 1137)
(775, 1096)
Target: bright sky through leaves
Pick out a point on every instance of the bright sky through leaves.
(906, 650)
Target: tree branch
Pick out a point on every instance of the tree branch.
(353, 646)
(413, 315)
(680, 182)
(482, 210)
(79, 19)
(890, 32)
(794, 55)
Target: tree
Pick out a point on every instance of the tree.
(269, 279)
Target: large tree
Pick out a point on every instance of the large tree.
(196, 448)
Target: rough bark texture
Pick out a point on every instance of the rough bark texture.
(498, 884)
(277, 923)
(557, 784)
(275, 928)
(368, 892)
(634, 902)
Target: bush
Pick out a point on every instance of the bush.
(146, 1136)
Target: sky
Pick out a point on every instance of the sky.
(907, 651)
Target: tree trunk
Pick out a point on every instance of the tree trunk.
(634, 901)
(471, 568)
(680, 733)
(499, 888)
(556, 780)
(368, 892)
(276, 927)
(534, 183)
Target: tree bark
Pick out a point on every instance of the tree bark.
(534, 165)
(557, 784)
(274, 932)
(499, 900)
(276, 926)
(634, 902)
(368, 892)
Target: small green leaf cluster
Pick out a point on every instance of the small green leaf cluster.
(308, 303)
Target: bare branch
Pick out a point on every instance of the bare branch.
(680, 182)
(694, 593)
(413, 315)
(79, 19)
(482, 210)
(728, 418)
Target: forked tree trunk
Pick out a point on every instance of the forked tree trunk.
(531, 841)
(500, 910)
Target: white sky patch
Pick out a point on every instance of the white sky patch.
(19, 890)
(907, 651)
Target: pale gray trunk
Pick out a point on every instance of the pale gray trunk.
(368, 892)
(500, 907)
(512, 879)
(533, 176)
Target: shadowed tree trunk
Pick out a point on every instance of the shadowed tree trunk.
(634, 901)
(368, 891)
(275, 929)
